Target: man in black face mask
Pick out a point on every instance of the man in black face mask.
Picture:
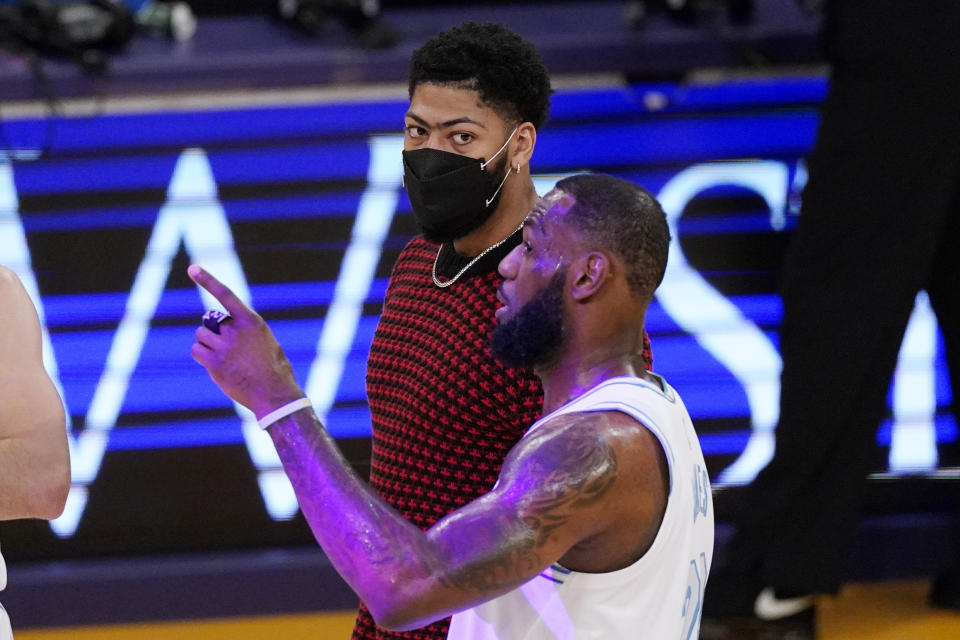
(444, 411)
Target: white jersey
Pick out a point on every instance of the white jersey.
(5, 632)
(660, 596)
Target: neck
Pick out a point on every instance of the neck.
(513, 207)
(570, 378)
(584, 365)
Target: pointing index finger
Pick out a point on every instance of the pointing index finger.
(218, 290)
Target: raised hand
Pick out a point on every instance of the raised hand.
(244, 359)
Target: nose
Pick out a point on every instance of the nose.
(436, 140)
(508, 266)
(433, 140)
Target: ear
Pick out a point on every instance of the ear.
(526, 138)
(590, 272)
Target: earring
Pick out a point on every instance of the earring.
(518, 167)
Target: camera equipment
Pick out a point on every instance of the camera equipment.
(80, 31)
(362, 17)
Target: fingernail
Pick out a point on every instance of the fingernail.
(193, 271)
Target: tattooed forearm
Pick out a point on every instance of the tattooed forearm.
(485, 549)
(488, 578)
(495, 543)
(356, 528)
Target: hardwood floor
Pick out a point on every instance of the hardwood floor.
(895, 610)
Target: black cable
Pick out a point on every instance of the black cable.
(43, 87)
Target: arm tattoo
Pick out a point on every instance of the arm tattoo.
(351, 524)
(496, 543)
(558, 475)
(579, 469)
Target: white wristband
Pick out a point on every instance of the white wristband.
(283, 412)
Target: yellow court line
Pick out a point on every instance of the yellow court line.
(319, 626)
(892, 610)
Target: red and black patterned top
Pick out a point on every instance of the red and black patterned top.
(444, 412)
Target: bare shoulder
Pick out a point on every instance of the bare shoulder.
(599, 479)
(583, 455)
(600, 432)
(567, 447)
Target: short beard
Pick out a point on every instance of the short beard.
(535, 334)
(494, 179)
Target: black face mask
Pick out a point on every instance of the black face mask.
(451, 195)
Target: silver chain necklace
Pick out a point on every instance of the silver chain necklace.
(444, 285)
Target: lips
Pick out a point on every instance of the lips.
(501, 298)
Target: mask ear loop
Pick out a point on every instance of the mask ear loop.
(494, 196)
(483, 165)
(507, 175)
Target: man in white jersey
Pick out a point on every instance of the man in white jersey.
(601, 523)
(34, 458)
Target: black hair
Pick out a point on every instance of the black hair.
(619, 215)
(489, 58)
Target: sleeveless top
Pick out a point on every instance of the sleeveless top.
(660, 595)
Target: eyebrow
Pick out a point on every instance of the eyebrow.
(448, 123)
(534, 220)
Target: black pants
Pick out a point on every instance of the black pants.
(880, 222)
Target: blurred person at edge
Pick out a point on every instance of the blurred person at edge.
(34, 457)
(880, 222)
